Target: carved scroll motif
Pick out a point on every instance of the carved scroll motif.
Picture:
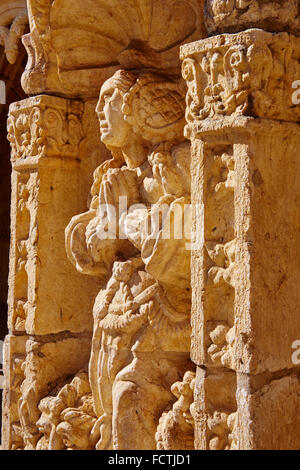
(13, 24)
(44, 127)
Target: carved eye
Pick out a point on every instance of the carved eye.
(106, 98)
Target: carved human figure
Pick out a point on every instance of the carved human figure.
(141, 338)
(67, 416)
(176, 427)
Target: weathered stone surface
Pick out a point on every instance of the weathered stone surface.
(13, 24)
(48, 142)
(37, 367)
(255, 325)
(250, 73)
(74, 46)
(236, 15)
(176, 427)
(13, 365)
(269, 413)
(132, 362)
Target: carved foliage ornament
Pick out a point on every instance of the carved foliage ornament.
(250, 74)
(44, 126)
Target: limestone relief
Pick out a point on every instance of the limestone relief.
(239, 78)
(176, 426)
(13, 24)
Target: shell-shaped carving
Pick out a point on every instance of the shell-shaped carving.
(95, 33)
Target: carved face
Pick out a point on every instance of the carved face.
(44, 424)
(115, 131)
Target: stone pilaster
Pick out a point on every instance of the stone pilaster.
(50, 304)
(46, 136)
(245, 264)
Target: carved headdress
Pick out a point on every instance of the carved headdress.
(153, 104)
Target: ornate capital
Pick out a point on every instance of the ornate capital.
(44, 126)
(251, 73)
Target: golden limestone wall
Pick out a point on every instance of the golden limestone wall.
(154, 259)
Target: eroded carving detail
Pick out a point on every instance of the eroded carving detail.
(13, 24)
(176, 427)
(72, 48)
(67, 418)
(24, 245)
(14, 359)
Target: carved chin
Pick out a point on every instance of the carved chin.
(106, 137)
(109, 137)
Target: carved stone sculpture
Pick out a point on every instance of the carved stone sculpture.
(236, 15)
(176, 427)
(141, 338)
(74, 46)
(242, 120)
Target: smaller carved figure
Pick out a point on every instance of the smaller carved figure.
(67, 418)
(178, 421)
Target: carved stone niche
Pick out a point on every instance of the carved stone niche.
(235, 15)
(74, 46)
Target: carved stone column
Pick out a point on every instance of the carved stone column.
(50, 304)
(245, 264)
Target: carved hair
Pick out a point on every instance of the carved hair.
(155, 107)
(153, 104)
